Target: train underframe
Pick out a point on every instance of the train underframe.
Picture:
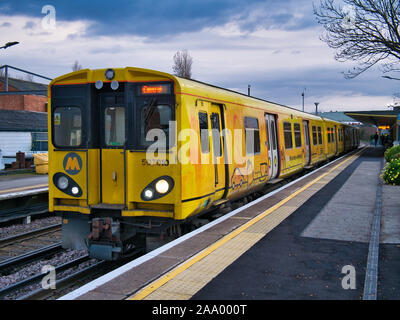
(109, 236)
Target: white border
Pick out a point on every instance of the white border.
(119, 271)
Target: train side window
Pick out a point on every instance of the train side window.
(216, 134)
(314, 135)
(287, 129)
(67, 124)
(320, 137)
(252, 133)
(297, 135)
(329, 135)
(204, 135)
(274, 146)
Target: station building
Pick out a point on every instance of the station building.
(23, 119)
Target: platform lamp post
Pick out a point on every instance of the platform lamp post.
(7, 45)
(303, 95)
(316, 108)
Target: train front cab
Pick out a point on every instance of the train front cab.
(101, 180)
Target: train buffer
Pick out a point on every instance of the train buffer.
(331, 234)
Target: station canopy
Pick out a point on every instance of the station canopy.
(380, 119)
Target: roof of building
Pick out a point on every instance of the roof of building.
(24, 85)
(337, 116)
(13, 120)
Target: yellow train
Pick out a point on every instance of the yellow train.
(135, 152)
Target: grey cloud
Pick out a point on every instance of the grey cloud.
(30, 25)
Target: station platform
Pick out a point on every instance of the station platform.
(17, 185)
(332, 234)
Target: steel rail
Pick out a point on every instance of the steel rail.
(29, 256)
(29, 235)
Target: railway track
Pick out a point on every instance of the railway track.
(24, 243)
(73, 281)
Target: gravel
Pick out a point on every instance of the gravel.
(27, 271)
(22, 228)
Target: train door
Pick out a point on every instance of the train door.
(217, 126)
(336, 140)
(112, 153)
(272, 143)
(307, 142)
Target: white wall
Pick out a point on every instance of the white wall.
(1, 161)
(12, 142)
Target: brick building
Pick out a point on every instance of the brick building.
(27, 102)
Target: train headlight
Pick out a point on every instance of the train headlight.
(148, 193)
(75, 190)
(62, 183)
(162, 186)
(158, 189)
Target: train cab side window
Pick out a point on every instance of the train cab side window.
(297, 135)
(320, 137)
(252, 133)
(204, 135)
(155, 116)
(67, 124)
(314, 135)
(287, 129)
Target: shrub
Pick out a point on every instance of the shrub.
(391, 172)
(392, 153)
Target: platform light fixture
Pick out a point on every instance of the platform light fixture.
(316, 108)
(9, 44)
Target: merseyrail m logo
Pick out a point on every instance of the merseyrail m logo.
(72, 163)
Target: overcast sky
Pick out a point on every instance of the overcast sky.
(272, 45)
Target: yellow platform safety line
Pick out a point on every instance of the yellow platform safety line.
(24, 188)
(142, 294)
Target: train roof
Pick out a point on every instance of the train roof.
(245, 97)
(88, 75)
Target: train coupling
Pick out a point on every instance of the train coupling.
(105, 239)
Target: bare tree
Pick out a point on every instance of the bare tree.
(183, 64)
(76, 66)
(365, 31)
